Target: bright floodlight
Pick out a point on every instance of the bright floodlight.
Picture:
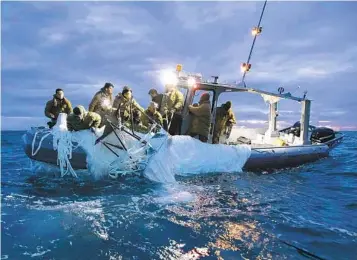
(168, 77)
(256, 31)
(191, 81)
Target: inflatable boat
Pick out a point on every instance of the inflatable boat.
(270, 148)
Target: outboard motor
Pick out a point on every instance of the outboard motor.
(322, 135)
(295, 129)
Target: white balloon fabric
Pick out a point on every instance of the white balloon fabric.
(169, 156)
(184, 155)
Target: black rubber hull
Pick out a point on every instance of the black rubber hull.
(48, 155)
(260, 159)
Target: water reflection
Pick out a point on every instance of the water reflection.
(221, 219)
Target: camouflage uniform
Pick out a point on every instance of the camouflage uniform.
(171, 106)
(56, 106)
(157, 99)
(231, 121)
(224, 118)
(172, 100)
(200, 124)
(125, 107)
(147, 122)
(85, 120)
(98, 105)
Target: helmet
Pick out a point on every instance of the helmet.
(152, 91)
(205, 97)
(228, 105)
(126, 89)
(76, 111)
(108, 85)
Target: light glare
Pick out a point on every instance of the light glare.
(168, 77)
(191, 81)
(106, 103)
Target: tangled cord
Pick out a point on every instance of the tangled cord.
(136, 160)
(63, 143)
(48, 132)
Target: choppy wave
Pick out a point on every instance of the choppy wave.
(286, 214)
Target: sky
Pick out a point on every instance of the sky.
(78, 46)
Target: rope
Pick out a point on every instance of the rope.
(255, 37)
(136, 161)
(40, 144)
(169, 124)
(131, 115)
(63, 144)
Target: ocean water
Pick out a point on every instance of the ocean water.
(309, 212)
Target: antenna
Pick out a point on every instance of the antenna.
(298, 87)
(245, 67)
(305, 93)
(215, 79)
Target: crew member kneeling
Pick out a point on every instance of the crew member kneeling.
(80, 119)
(152, 116)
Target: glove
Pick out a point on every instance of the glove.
(52, 116)
(165, 113)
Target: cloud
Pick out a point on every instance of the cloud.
(109, 20)
(79, 46)
(52, 38)
(187, 12)
(299, 43)
(27, 59)
(288, 68)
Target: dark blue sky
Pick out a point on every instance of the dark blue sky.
(78, 46)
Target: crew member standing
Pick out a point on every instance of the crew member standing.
(171, 108)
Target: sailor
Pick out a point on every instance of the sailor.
(58, 104)
(155, 97)
(200, 123)
(124, 105)
(224, 116)
(102, 102)
(127, 110)
(171, 107)
(80, 119)
(138, 125)
(118, 97)
(151, 114)
(231, 120)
